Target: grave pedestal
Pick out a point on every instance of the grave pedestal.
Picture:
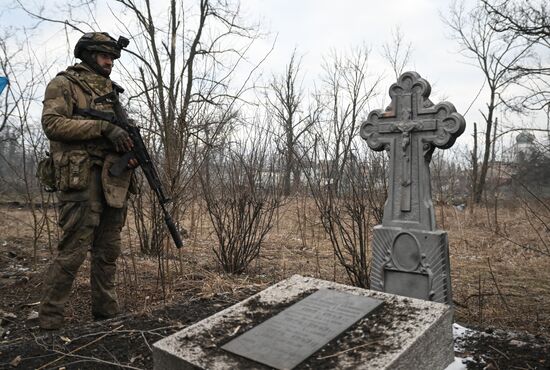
(403, 333)
(412, 263)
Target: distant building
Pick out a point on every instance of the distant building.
(524, 147)
(500, 173)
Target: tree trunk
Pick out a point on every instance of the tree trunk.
(474, 164)
(487, 151)
(289, 157)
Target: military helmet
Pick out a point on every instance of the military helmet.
(100, 42)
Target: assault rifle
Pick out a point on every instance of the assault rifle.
(139, 152)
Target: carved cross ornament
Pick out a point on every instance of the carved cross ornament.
(409, 130)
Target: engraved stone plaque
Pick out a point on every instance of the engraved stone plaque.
(407, 283)
(287, 339)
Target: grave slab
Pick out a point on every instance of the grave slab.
(401, 333)
(302, 328)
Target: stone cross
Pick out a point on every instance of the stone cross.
(409, 130)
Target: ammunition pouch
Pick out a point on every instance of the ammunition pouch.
(45, 173)
(72, 170)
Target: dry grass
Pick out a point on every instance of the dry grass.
(498, 278)
(497, 281)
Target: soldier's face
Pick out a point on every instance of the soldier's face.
(105, 61)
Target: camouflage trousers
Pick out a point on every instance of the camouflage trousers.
(87, 225)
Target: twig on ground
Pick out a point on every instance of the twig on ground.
(44, 347)
(500, 352)
(111, 354)
(78, 349)
(504, 302)
(129, 331)
(98, 360)
(146, 342)
(459, 304)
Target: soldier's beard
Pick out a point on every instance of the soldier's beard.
(106, 71)
(90, 59)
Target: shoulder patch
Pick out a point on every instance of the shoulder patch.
(58, 87)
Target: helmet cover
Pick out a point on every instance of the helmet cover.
(100, 42)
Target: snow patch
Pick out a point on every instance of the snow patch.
(460, 334)
(458, 364)
(460, 331)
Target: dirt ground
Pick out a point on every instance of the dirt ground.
(500, 277)
(501, 349)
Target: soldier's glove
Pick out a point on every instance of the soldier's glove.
(119, 137)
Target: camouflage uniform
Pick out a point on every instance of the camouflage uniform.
(90, 219)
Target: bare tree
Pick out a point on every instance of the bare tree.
(447, 177)
(241, 194)
(497, 55)
(531, 21)
(284, 100)
(9, 100)
(23, 142)
(185, 66)
(397, 52)
(337, 167)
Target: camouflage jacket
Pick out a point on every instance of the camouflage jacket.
(77, 87)
(76, 142)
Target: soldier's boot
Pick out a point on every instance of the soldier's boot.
(73, 248)
(105, 251)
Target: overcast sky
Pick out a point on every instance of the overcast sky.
(315, 27)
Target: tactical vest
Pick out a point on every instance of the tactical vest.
(73, 171)
(86, 86)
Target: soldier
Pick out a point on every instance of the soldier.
(93, 204)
